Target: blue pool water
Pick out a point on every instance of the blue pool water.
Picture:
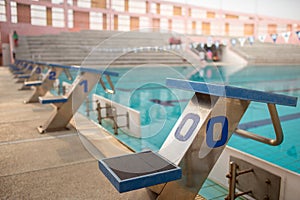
(143, 89)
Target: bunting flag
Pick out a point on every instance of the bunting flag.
(242, 41)
(217, 44)
(262, 38)
(251, 40)
(233, 42)
(298, 34)
(286, 36)
(202, 45)
(274, 37)
(224, 42)
(209, 41)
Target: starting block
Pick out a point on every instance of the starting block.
(23, 70)
(201, 133)
(135, 171)
(34, 75)
(20, 67)
(41, 87)
(24, 76)
(68, 104)
(53, 100)
(33, 83)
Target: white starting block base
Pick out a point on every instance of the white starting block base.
(135, 171)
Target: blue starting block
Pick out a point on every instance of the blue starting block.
(21, 67)
(54, 100)
(200, 135)
(18, 72)
(33, 73)
(24, 76)
(33, 83)
(135, 171)
(77, 94)
(41, 87)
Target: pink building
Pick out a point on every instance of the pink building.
(35, 17)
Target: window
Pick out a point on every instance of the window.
(229, 16)
(38, 15)
(58, 17)
(177, 11)
(2, 11)
(210, 15)
(126, 5)
(23, 13)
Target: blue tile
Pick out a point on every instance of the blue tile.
(210, 192)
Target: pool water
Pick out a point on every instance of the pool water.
(143, 89)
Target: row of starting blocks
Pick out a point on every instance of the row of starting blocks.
(41, 76)
(193, 146)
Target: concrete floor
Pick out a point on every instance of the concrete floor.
(53, 165)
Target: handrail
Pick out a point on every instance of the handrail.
(277, 128)
(109, 91)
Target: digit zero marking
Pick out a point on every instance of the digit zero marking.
(210, 131)
(192, 128)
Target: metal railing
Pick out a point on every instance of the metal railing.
(277, 128)
(111, 114)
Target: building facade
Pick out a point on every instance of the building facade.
(34, 17)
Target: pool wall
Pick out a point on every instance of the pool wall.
(289, 180)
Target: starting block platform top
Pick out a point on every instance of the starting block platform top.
(18, 72)
(24, 76)
(232, 92)
(139, 170)
(55, 99)
(33, 83)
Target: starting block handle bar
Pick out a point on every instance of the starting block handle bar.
(277, 128)
(109, 91)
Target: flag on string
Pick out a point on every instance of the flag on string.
(242, 41)
(217, 44)
(274, 37)
(298, 34)
(262, 38)
(224, 42)
(209, 42)
(286, 36)
(233, 42)
(251, 40)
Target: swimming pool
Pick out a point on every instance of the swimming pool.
(143, 88)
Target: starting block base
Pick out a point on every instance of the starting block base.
(139, 170)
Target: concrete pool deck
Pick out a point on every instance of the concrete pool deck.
(53, 165)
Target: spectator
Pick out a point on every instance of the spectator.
(16, 38)
(209, 55)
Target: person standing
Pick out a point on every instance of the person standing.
(16, 38)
